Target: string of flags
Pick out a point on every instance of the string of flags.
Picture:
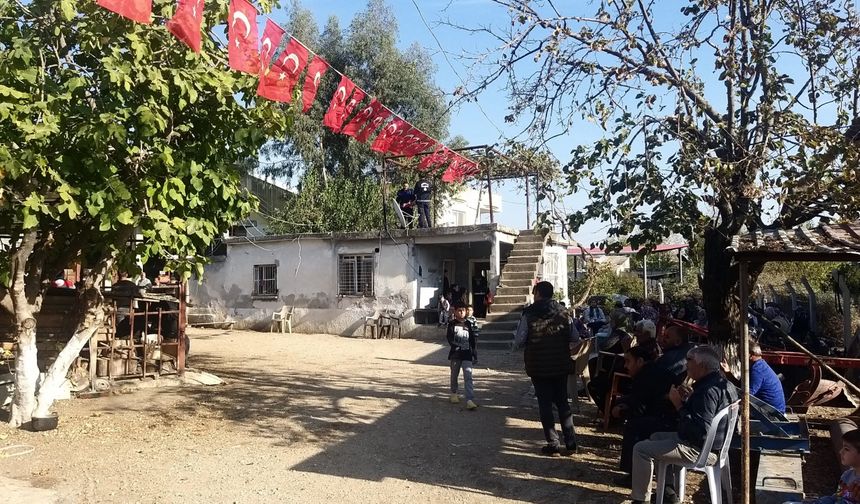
(280, 74)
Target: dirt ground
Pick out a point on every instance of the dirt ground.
(319, 418)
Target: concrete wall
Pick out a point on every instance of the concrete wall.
(307, 267)
(307, 279)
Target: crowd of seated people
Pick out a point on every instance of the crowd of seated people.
(675, 387)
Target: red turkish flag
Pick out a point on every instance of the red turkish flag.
(356, 98)
(187, 22)
(272, 36)
(277, 84)
(439, 157)
(401, 144)
(455, 171)
(420, 143)
(316, 70)
(242, 37)
(136, 10)
(378, 119)
(360, 120)
(389, 134)
(333, 118)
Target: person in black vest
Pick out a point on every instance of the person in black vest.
(406, 200)
(548, 336)
(423, 191)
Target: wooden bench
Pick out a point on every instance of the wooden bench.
(779, 478)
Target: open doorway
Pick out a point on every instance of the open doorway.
(479, 272)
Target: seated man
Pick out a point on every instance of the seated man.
(696, 407)
(594, 316)
(764, 384)
(644, 333)
(674, 345)
(646, 407)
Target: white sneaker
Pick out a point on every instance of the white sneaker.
(454, 398)
(470, 405)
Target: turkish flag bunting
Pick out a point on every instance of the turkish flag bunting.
(439, 157)
(357, 96)
(333, 118)
(242, 37)
(457, 170)
(136, 10)
(272, 36)
(316, 70)
(378, 118)
(360, 119)
(405, 138)
(277, 84)
(389, 134)
(186, 23)
(421, 143)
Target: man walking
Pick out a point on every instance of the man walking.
(547, 335)
(423, 191)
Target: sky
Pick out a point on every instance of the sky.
(480, 123)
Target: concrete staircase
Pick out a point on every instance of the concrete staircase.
(515, 284)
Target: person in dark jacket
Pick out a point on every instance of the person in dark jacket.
(646, 407)
(696, 407)
(463, 354)
(674, 346)
(548, 336)
(423, 192)
(406, 201)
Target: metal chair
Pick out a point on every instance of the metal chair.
(717, 473)
(283, 319)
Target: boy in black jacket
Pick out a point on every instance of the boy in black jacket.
(463, 354)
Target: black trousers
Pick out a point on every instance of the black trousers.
(423, 214)
(549, 391)
(640, 429)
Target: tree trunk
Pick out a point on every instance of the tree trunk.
(92, 317)
(26, 373)
(719, 285)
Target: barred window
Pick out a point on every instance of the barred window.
(265, 280)
(355, 275)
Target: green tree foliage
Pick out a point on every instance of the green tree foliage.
(716, 116)
(109, 129)
(344, 203)
(601, 280)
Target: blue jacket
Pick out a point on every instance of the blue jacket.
(765, 385)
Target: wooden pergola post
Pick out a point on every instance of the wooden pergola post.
(745, 384)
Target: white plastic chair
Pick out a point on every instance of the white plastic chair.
(283, 319)
(718, 472)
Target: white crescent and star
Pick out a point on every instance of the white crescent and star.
(267, 46)
(240, 16)
(295, 59)
(317, 77)
(342, 92)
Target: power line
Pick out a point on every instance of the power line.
(445, 55)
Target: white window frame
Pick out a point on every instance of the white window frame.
(265, 278)
(358, 282)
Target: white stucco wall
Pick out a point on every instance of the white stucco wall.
(307, 269)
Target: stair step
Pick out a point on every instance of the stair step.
(521, 268)
(523, 259)
(501, 324)
(517, 252)
(506, 307)
(496, 336)
(512, 300)
(511, 276)
(500, 316)
(512, 290)
(497, 346)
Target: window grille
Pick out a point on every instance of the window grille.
(265, 280)
(355, 275)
